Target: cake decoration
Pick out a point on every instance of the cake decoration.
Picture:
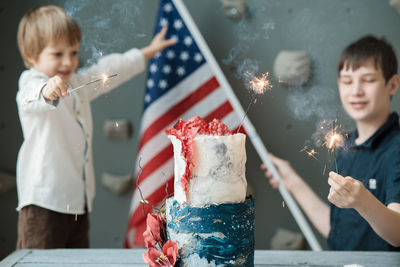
(209, 221)
(187, 131)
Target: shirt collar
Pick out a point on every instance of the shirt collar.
(391, 124)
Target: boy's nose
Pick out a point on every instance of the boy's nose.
(357, 89)
(67, 61)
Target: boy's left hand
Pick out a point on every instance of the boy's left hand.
(157, 44)
(345, 192)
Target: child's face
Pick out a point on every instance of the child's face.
(58, 59)
(364, 93)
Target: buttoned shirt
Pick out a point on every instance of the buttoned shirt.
(376, 163)
(55, 163)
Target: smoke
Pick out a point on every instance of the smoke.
(107, 26)
(315, 102)
(246, 34)
(321, 104)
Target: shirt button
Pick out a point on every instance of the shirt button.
(87, 135)
(78, 113)
(87, 160)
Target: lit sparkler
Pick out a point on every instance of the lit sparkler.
(328, 135)
(258, 85)
(104, 78)
(333, 140)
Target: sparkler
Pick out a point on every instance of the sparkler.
(258, 85)
(327, 135)
(332, 140)
(104, 78)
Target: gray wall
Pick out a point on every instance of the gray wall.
(322, 28)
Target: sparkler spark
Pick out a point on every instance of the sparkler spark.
(260, 84)
(105, 78)
(311, 153)
(333, 139)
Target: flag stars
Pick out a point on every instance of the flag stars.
(166, 69)
(147, 98)
(175, 38)
(198, 57)
(170, 54)
(184, 56)
(150, 83)
(180, 71)
(178, 24)
(163, 84)
(188, 41)
(168, 7)
(153, 68)
(163, 22)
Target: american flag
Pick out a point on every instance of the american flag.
(180, 84)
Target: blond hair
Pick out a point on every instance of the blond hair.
(43, 26)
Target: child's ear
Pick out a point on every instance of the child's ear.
(394, 84)
(31, 61)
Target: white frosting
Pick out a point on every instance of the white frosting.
(180, 164)
(218, 175)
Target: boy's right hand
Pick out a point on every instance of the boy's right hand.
(285, 170)
(157, 44)
(54, 89)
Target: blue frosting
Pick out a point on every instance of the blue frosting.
(222, 234)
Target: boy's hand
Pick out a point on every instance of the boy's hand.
(157, 44)
(54, 89)
(345, 192)
(285, 170)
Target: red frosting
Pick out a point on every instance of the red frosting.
(186, 131)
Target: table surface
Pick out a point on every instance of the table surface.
(133, 257)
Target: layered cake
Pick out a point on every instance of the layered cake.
(209, 217)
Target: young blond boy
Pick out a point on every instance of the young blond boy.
(55, 177)
(364, 213)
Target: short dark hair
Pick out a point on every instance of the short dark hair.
(366, 48)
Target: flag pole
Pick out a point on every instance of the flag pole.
(248, 126)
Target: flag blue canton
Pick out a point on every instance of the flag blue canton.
(175, 63)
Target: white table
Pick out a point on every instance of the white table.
(133, 258)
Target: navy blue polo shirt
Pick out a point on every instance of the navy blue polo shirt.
(376, 163)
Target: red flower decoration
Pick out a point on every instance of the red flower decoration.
(170, 249)
(155, 259)
(155, 229)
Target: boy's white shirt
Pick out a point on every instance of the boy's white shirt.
(52, 158)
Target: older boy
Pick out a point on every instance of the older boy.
(364, 213)
(55, 176)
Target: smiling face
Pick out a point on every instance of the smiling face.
(365, 94)
(60, 58)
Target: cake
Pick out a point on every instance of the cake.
(209, 217)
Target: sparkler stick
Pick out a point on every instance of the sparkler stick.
(103, 79)
(334, 148)
(258, 86)
(332, 140)
(247, 110)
